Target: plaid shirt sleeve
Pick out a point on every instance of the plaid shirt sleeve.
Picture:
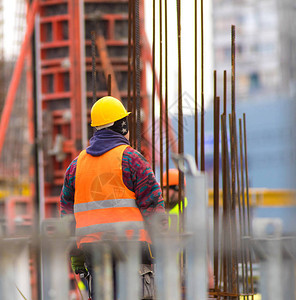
(68, 190)
(139, 178)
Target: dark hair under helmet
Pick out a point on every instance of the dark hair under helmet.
(120, 126)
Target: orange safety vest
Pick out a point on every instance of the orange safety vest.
(102, 202)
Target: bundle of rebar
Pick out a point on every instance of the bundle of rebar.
(232, 259)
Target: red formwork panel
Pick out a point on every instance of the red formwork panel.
(60, 93)
(60, 80)
(19, 215)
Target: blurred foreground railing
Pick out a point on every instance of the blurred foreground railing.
(181, 258)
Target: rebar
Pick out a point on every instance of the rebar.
(216, 111)
(249, 233)
(109, 85)
(180, 134)
(138, 75)
(234, 274)
(94, 71)
(166, 96)
(153, 87)
(160, 97)
(134, 110)
(243, 204)
(129, 105)
(226, 253)
(240, 213)
(233, 183)
(180, 115)
(225, 92)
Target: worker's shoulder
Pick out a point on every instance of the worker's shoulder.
(131, 154)
(72, 166)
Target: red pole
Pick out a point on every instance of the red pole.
(17, 72)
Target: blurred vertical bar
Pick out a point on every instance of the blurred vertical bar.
(195, 87)
(167, 248)
(128, 271)
(202, 120)
(197, 225)
(103, 270)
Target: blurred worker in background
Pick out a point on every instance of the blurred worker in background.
(172, 203)
(109, 185)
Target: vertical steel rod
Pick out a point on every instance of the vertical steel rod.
(227, 211)
(166, 95)
(180, 133)
(225, 225)
(233, 185)
(134, 111)
(94, 71)
(160, 97)
(225, 92)
(202, 129)
(180, 110)
(234, 276)
(224, 203)
(216, 189)
(243, 202)
(153, 88)
(216, 111)
(240, 218)
(138, 75)
(248, 202)
(109, 85)
(129, 104)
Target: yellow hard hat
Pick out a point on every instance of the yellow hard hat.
(107, 110)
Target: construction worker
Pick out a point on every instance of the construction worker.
(109, 185)
(172, 203)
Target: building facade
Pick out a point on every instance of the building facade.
(265, 39)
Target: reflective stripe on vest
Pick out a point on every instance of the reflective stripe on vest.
(102, 202)
(79, 207)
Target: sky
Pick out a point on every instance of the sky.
(187, 50)
(9, 23)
